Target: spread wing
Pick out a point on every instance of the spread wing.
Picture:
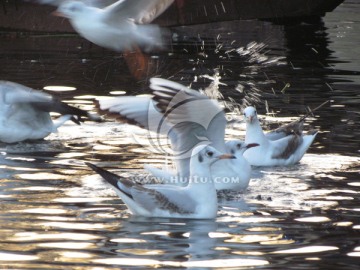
(194, 116)
(14, 93)
(138, 111)
(141, 11)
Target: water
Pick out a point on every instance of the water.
(56, 214)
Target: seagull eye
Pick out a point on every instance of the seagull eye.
(238, 146)
(210, 154)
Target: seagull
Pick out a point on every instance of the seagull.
(189, 118)
(25, 113)
(283, 150)
(123, 25)
(197, 200)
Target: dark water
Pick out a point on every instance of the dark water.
(56, 214)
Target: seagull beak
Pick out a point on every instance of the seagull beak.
(250, 145)
(251, 118)
(226, 156)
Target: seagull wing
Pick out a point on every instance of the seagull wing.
(167, 198)
(13, 93)
(139, 111)
(285, 147)
(194, 116)
(141, 11)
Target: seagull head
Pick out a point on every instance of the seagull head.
(250, 114)
(236, 147)
(207, 155)
(71, 9)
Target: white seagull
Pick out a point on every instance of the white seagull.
(120, 26)
(198, 200)
(25, 113)
(277, 149)
(188, 118)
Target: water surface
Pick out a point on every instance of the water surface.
(56, 214)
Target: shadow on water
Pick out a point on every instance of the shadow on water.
(55, 213)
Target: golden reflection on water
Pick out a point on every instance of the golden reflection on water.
(39, 176)
(37, 236)
(309, 249)
(313, 219)
(246, 239)
(82, 205)
(8, 256)
(68, 245)
(196, 263)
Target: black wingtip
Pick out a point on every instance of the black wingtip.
(111, 178)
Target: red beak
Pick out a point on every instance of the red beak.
(250, 145)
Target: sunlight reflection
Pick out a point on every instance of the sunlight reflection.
(75, 226)
(7, 256)
(128, 240)
(33, 236)
(36, 188)
(68, 245)
(313, 219)
(59, 88)
(200, 264)
(355, 184)
(343, 224)
(163, 233)
(47, 211)
(247, 219)
(313, 259)
(254, 238)
(76, 255)
(309, 249)
(142, 252)
(79, 200)
(119, 92)
(40, 176)
(263, 229)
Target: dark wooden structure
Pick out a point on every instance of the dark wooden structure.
(28, 16)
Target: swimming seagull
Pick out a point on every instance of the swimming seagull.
(284, 150)
(198, 200)
(25, 113)
(188, 118)
(120, 26)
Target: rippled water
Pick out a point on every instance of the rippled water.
(55, 213)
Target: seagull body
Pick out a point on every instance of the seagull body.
(198, 200)
(24, 113)
(120, 26)
(274, 151)
(188, 118)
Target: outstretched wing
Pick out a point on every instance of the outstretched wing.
(138, 111)
(194, 116)
(13, 93)
(141, 11)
